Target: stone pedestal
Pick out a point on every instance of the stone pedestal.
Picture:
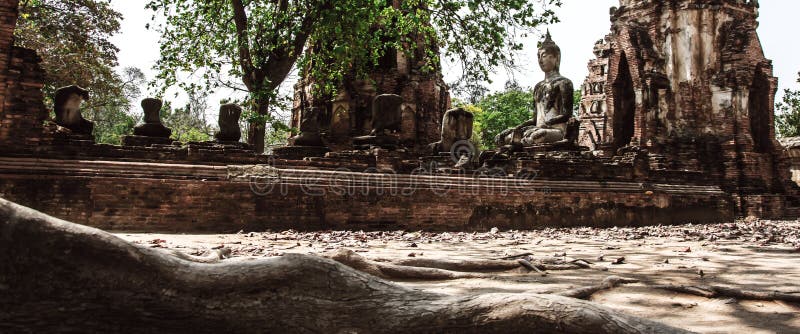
(386, 141)
(299, 152)
(146, 141)
(566, 146)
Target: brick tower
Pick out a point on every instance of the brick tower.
(425, 95)
(688, 81)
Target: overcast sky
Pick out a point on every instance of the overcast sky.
(582, 23)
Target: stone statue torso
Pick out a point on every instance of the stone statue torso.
(553, 98)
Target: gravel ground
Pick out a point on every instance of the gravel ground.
(748, 254)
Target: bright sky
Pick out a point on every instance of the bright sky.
(582, 23)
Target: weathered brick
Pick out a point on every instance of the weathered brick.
(682, 103)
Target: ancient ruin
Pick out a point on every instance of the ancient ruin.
(688, 82)
(675, 127)
(349, 114)
(665, 137)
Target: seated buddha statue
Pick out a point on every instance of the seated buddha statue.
(553, 98)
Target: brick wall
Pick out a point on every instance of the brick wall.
(8, 21)
(170, 198)
(22, 112)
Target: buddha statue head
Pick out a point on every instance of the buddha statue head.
(549, 55)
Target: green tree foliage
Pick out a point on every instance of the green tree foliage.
(576, 102)
(788, 118)
(252, 45)
(114, 119)
(72, 37)
(188, 123)
(499, 111)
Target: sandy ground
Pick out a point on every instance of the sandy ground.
(752, 255)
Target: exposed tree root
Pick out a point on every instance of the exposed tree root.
(607, 284)
(531, 267)
(562, 263)
(61, 277)
(214, 256)
(725, 292)
(389, 270)
(587, 265)
(468, 266)
(458, 265)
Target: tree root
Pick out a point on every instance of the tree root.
(395, 271)
(214, 256)
(458, 265)
(472, 266)
(60, 277)
(531, 267)
(607, 284)
(710, 291)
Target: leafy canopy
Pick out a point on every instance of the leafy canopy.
(72, 37)
(499, 111)
(188, 124)
(252, 45)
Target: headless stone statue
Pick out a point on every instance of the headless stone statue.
(387, 117)
(386, 113)
(152, 132)
(308, 143)
(152, 126)
(229, 130)
(455, 137)
(67, 108)
(309, 129)
(553, 105)
(456, 127)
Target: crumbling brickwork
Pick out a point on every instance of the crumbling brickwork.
(21, 81)
(688, 81)
(593, 111)
(8, 20)
(175, 198)
(425, 96)
(684, 82)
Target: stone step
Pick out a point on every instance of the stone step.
(110, 168)
(329, 178)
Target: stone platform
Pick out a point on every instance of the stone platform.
(153, 197)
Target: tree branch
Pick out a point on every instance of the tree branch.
(245, 59)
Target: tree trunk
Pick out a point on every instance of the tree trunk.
(57, 276)
(257, 130)
(255, 135)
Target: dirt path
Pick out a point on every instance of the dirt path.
(753, 255)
